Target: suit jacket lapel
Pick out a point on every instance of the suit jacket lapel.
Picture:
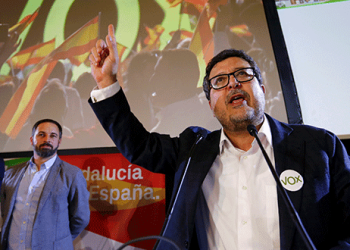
(17, 182)
(204, 156)
(202, 159)
(289, 154)
(50, 183)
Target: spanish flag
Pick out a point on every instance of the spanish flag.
(184, 34)
(76, 48)
(22, 102)
(152, 41)
(21, 25)
(5, 79)
(174, 3)
(241, 30)
(202, 44)
(191, 9)
(31, 55)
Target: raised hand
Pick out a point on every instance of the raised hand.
(104, 60)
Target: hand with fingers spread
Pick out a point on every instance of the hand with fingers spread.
(104, 60)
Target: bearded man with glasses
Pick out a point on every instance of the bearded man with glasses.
(223, 193)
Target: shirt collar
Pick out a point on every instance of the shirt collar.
(46, 165)
(264, 131)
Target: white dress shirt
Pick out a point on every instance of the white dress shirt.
(239, 208)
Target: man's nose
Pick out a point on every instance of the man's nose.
(233, 83)
(47, 138)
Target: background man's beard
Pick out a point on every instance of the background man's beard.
(45, 152)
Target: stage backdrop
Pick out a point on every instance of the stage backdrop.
(163, 45)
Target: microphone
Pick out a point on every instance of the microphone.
(293, 213)
(174, 199)
(171, 207)
(149, 238)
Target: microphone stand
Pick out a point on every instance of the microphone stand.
(174, 199)
(149, 238)
(295, 217)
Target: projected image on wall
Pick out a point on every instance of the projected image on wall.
(163, 46)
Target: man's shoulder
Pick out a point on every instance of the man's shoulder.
(301, 130)
(14, 172)
(71, 173)
(17, 167)
(67, 167)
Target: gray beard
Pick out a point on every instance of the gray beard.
(253, 116)
(239, 124)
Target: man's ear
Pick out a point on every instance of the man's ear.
(31, 141)
(263, 88)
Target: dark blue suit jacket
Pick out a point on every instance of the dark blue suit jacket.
(323, 202)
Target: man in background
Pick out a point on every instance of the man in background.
(45, 201)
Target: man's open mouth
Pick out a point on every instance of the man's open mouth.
(238, 98)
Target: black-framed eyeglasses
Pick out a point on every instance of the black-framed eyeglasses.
(241, 75)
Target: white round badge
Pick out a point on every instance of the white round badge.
(291, 180)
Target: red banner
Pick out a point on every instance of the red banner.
(126, 201)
